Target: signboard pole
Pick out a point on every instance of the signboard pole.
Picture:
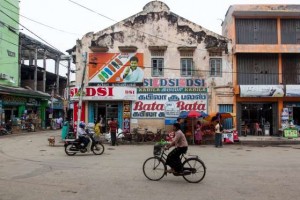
(81, 92)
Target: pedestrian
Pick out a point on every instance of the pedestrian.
(198, 133)
(218, 134)
(59, 122)
(97, 129)
(113, 126)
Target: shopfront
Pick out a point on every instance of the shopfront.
(17, 104)
(106, 102)
(160, 101)
(257, 109)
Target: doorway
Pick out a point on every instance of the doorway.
(261, 113)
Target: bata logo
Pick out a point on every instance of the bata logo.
(139, 106)
(99, 91)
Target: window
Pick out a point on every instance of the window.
(157, 66)
(186, 67)
(215, 67)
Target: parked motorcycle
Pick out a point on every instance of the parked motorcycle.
(29, 126)
(5, 129)
(75, 146)
(121, 136)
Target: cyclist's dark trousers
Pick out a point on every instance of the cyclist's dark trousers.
(84, 140)
(173, 159)
(113, 138)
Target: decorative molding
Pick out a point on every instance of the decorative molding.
(128, 48)
(186, 48)
(157, 48)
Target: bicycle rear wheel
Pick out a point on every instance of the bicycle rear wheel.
(154, 168)
(195, 169)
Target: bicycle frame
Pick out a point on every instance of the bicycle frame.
(163, 156)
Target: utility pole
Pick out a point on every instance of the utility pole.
(68, 58)
(81, 92)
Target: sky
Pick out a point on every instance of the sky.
(70, 21)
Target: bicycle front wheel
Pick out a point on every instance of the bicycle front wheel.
(195, 170)
(154, 168)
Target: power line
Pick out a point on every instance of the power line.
(41, 23)
(26, 48)
(29, 31)
(195, 70)
(155, 36)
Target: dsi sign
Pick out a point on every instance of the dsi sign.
(173, 82)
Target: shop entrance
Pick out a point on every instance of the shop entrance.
(253, 114)
(296, 115)
(106, 111)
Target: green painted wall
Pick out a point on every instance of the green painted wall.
(9, 41)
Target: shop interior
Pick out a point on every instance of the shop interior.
(296, 115)
(106, 111)
(253, 114)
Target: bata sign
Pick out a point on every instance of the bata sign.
(104, 93)
(157, 105)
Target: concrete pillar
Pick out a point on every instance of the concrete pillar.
(45, 72)
(30, 58)
(57, 74)
(35, 69)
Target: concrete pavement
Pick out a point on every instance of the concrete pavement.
(33, 170)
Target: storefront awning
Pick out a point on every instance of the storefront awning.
(18, 91)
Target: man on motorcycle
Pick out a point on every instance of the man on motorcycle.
(82, 135)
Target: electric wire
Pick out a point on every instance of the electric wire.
(27, 48)
(40, 23)
(30, 31)
(155, 36)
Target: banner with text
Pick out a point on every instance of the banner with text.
(104, 93)
(157, 105)
(261, 91)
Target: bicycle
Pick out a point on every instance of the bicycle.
(155, 168)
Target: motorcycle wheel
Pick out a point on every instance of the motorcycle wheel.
(98, 148)
(68, 149)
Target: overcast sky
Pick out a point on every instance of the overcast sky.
(74, 21)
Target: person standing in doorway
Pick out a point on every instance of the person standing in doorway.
(218, 134)
(113, 126)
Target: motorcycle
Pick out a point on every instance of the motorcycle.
(5, 129)
(75, 146)
(29, 126)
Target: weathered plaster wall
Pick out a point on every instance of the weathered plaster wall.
(157, 26)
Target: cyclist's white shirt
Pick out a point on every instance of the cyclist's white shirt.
(180, 140)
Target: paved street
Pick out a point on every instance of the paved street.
(32, 170)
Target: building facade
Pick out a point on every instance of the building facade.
(148, 68)
(24, 86)
(266, 59)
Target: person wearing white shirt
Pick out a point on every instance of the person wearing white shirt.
(133, 73)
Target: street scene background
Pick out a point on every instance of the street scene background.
(31, 169)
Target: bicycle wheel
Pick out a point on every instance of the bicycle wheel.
(195, 169)
(154, 168)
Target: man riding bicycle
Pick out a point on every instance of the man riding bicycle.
(181, 146)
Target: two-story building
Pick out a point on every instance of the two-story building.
(266, 65)
(146, 69)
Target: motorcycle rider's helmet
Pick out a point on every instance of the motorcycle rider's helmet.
(82, 125)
